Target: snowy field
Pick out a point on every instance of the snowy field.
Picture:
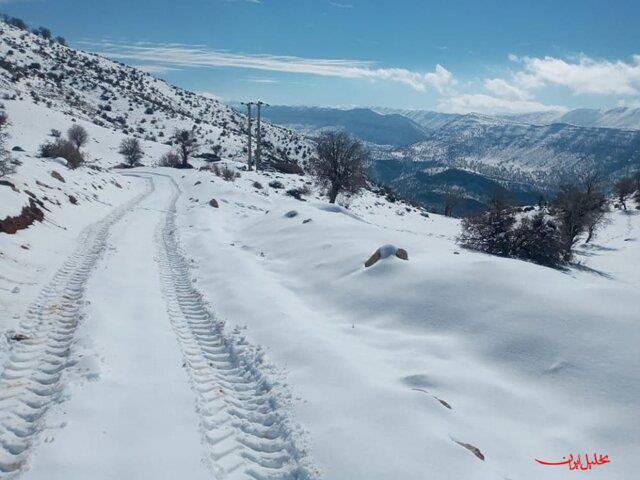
(366, 373)
(533, 362)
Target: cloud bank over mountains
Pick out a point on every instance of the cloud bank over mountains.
(519, 90)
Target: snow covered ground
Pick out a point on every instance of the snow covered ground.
(533, 362)
(384, 369)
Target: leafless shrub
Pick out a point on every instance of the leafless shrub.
(169, 159)
(228, 174)
(61, 148)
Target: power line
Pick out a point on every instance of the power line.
(249, 104)
(259, 104)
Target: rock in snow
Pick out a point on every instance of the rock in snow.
(386, 251)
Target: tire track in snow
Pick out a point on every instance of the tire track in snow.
(246, 432)
(32, 379)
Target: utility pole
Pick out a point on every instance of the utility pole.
(259, 135)
(248, 104)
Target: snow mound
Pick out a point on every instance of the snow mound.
(333, 208)
(387, 250)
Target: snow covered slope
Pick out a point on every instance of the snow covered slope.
(110, 94)
(150, 332)
(395, 363)
(29, 258)
(386, 368)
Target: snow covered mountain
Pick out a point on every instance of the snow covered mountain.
(369, 126)
(624, 118)
(542, 156)
(524, 158)
(125, 99)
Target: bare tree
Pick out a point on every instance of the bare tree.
(131, 150)
(596, 203)
(452, 198)
(579, 209)
(339, 163)
(6, 164)
(78, 136)
(187, 145)
(623, 189)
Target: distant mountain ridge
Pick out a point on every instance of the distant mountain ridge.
(623, 118)
(527, 154)
(370, 126)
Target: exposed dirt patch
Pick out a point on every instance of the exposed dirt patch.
(29, 214)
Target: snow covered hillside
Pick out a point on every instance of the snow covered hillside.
(396, 363)
(110, 94)
(160, 323)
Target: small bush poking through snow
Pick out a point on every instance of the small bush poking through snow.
(61, 148)
(169, 159)
(276, 184)
(228, 174)
(498, 231)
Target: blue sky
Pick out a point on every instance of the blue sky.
(454, 55)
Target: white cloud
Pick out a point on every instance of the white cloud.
(501, 88)
(154, 68)
(582, 76)
(198, 56)
(481, 103)
(260, 80)
(341, 5)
